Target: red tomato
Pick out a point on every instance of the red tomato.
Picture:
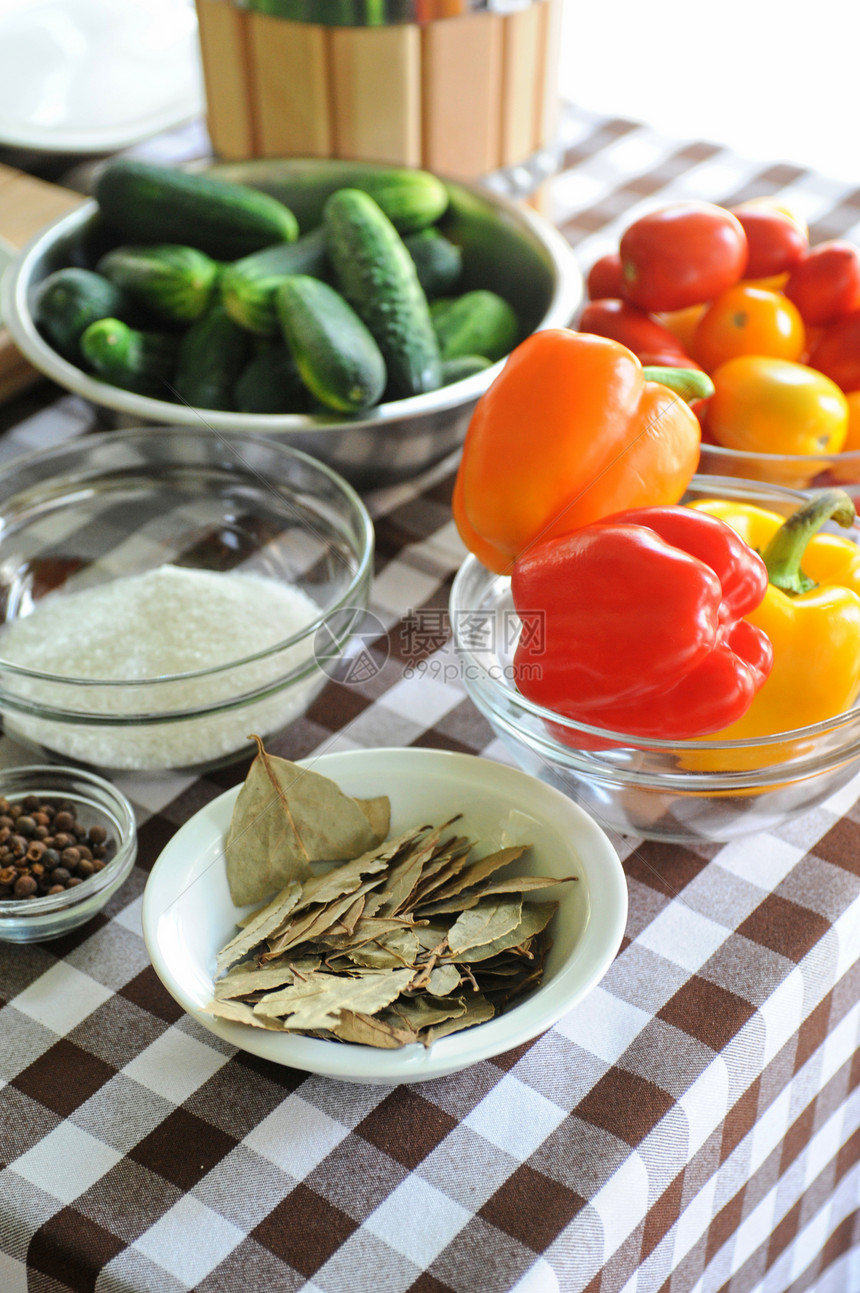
(633, 328)
(682, 255)
(825, 285)
(666, 359)
(775, 242)
(604, 277)
(837, 352)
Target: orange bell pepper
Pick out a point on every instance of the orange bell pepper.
(571, 431)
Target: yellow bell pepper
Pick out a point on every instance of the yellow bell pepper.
(811, 615)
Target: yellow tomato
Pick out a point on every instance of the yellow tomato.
(775, 283)
(768, 405)
(774, 204)
(747, 320)
(682, 324)
(852, 439)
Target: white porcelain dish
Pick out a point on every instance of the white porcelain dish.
(95, 76)
(188, 914)
(7, 255)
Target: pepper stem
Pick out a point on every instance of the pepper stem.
(784, 553)
(690, 383)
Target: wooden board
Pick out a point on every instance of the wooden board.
(26, 206)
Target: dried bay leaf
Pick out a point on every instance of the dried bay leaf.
(244, 981)
(478, 871)
(447, 906)
(367, 930)
(286, 817)
(237, 1012)
(400, 947)
(478, 1011)
(406, 873)
(340, 880)
(524, 884)
(318, 1002)
(372, 1030)
(262, 923)
(484, 924)
(378, 814)
(425, 1011)
(310, 923)
(446, 862)
(443, 979)
(535, 917)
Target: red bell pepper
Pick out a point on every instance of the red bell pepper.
(642, 628)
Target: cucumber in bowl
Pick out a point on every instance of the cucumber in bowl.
(500, 246)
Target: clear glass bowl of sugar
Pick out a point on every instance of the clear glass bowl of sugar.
(165, 593)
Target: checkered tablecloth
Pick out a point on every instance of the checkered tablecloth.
(693, 1126)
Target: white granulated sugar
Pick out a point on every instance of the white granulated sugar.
(170, 620)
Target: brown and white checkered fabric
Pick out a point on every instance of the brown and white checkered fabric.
(692, 1127)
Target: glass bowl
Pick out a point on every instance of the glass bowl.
(506, 247)
(96, 803)
(78, 516)
(682, 791)
(794, 471)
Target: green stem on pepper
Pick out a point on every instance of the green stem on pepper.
(784, 553)
(690, 383)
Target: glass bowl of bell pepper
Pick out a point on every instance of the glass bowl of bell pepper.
(793, 470)
(776, 762)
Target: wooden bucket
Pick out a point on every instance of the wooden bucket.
(461, 87)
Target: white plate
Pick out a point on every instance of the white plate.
(188, 914)
(7, 255)
(92, 76)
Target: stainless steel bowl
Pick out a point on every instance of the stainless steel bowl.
(507, 247)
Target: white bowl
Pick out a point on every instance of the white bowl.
(188, 914)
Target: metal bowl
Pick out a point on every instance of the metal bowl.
(507, 247)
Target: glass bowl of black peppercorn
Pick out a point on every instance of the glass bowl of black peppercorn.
(68, 840)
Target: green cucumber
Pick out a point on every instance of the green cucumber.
(132, 359)
(378, 277)
(411, 198)
(338, 359)
(177, 283)
(248, 286)
(148, 202)
(270, 382)
(439, 261)
(479, 322)
(211, 356)
(454, 370)
(68, 301)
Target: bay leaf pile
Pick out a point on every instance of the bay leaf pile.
(412, 938)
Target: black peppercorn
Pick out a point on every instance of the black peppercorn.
(44, 849)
